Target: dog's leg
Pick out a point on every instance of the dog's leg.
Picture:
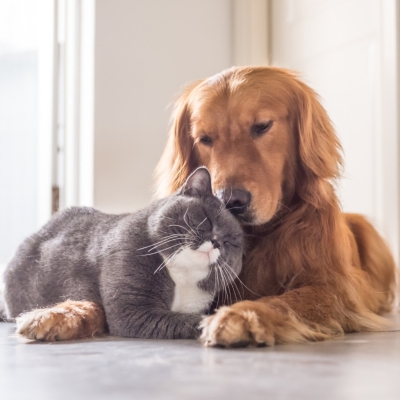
(64, 321)
(376, 260)
(305, 314)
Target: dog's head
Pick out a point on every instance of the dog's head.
(263, 135)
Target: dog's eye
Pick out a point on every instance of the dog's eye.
(206, 140)
(261, 128)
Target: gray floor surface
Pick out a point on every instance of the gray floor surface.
(359, 366)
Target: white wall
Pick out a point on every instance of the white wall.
(346, 50)
(144, 52)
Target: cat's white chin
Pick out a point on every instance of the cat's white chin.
(187, 269)
(212, 253)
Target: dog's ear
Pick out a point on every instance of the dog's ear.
(179, 158)
(319, 147)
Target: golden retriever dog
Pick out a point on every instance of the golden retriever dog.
(310, 271)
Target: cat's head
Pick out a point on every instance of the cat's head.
(197, 235)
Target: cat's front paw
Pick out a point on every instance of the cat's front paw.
(65, 321)
(235, 327)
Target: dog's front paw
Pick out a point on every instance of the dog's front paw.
(236, 327)
(42, 324)
(64, 321)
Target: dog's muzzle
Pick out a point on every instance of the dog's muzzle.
(236, 201)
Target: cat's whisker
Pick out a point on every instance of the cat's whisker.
(234, 289)
(164, 243)
(204, 220)
(182, 227)
(218, 269)
(169, 258)
(226, 287)
(234, 208)
(165, 262)
(221, 208)
(222, 290)
(225, 294)
(185, 235)
(176, 253)
(224, 204)
(229, 286)
(161, 244)
(175, 235)
(215, 283)
(233, 285)
(237, 277)
(218, 284)
(159, 251)
(232, 277)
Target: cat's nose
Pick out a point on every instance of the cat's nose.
(236, 200)
(215, 244)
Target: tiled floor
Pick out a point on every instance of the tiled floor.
(358, 366)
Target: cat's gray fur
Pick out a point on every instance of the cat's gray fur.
(84, 254)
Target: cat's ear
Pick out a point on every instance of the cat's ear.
(198, 183)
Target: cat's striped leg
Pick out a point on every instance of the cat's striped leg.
(63, 321)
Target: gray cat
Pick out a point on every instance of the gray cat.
(153, 272)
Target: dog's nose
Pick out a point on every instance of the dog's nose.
(236, 200)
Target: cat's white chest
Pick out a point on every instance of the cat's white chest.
(187, 269)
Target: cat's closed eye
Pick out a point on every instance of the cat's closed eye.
(229, 243)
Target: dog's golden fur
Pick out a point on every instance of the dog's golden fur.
(64, 321)
(318, 272)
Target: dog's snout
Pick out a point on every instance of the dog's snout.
(236, 200)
